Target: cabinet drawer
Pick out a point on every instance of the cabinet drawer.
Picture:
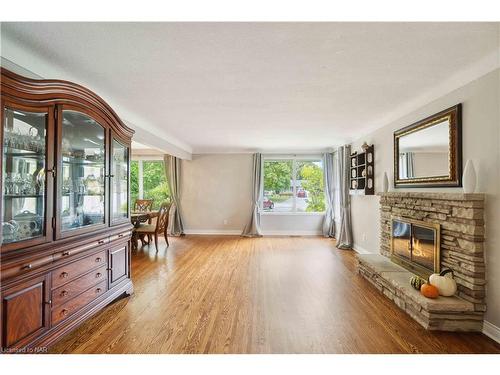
(60, 313)
(75, 287)
(120, 236)
(74, 250)
(71, 271)
(23, 267)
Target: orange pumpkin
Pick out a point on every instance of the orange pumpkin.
(429, 291)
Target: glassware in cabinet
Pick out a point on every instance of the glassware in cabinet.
(119, 181)
(24, 163)
(83, 168)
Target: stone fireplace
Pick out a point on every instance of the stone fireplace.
(421, 233)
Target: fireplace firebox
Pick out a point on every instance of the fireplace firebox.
(415, 245)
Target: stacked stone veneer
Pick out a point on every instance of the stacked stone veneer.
(461, 218)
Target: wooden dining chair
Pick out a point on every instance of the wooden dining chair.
(142, 205)
(161, 225)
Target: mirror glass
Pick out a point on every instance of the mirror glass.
(425, 153)
(429, 152)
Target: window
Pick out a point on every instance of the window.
(148, 181)
(293, 185)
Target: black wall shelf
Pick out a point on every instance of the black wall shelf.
(362, 172)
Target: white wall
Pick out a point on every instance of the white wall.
(300, 224)
(481, 142)
(218, 187)
(430, 164)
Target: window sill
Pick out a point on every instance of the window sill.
(292, 213)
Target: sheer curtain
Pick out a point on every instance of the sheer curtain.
(344, 238)
(252, 229)
(173, 174)
(406, 165)
(329, 177)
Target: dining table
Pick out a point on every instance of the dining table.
(137, 218)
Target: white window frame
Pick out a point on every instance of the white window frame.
(279, 157)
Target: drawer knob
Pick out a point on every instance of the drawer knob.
(120, 235)
(27, 266)
(98, 274)
(64, 293)
(98, 290)
(64, 275)
(98, 260)
(65, 253)
(64, 312)
(100, 242)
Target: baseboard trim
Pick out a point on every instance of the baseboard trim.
(218, 232)
(235, 232)
(492, 331)
(361, 250)
(292, 233)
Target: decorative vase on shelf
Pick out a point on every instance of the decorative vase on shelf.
(385, 183)
(469, 178)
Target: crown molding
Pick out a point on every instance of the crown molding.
(208, 151)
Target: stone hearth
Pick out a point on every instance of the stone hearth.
(442, 313)
(460, 217)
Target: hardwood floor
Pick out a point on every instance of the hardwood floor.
(221, 294)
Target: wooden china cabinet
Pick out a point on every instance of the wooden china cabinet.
(65, 238)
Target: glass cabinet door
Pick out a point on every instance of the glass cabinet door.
(119, 181)
(83, 170)
(24, 177)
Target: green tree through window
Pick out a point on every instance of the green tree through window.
(154, 182)
(280, 185)
(134, 181)
(277, 175)
(312, 176)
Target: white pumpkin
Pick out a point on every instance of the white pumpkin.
(444, 282)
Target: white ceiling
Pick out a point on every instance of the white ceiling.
(137, 145)
(222, 87)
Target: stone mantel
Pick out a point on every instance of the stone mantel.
(435, 196)
(461, 219)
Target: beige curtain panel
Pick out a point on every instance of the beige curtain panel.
(173, 174)
(252, 229)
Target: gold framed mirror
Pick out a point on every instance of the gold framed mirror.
(428, 153)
